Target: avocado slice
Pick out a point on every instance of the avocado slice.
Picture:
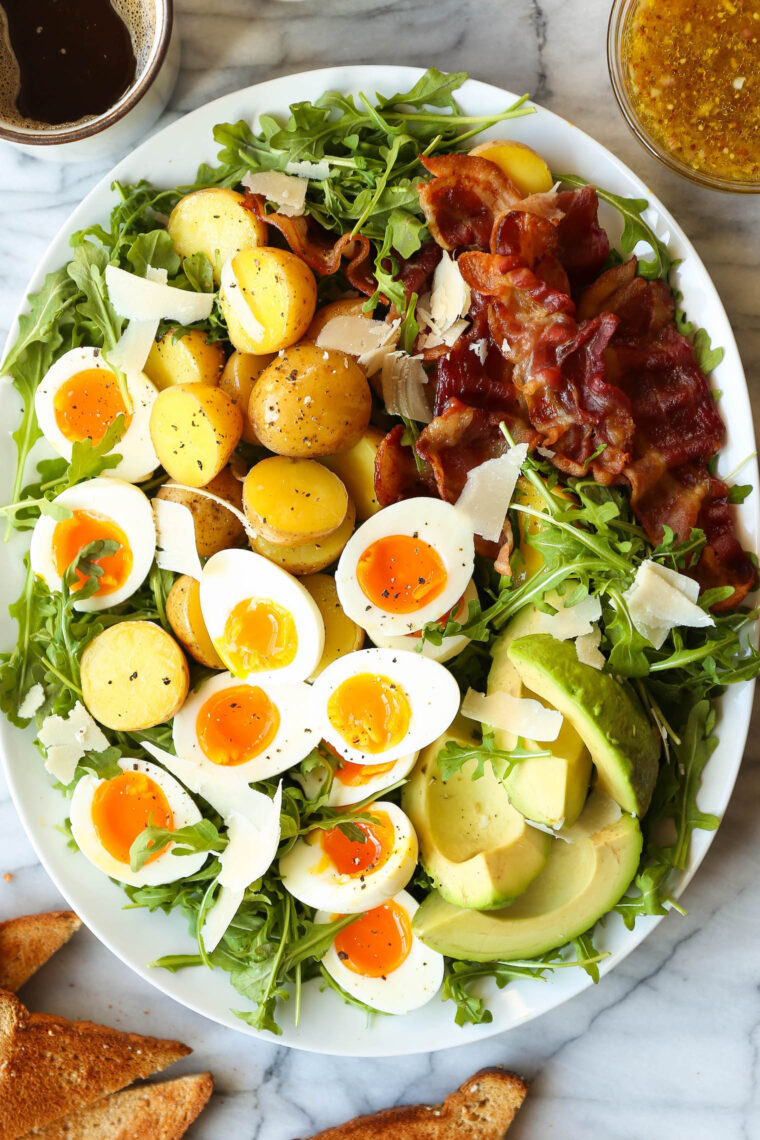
(583, 879)
(476, 847)
(623, 742)
(548, 789)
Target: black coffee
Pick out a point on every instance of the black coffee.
(75, 58)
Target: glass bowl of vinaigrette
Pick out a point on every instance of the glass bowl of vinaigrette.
(686, 75)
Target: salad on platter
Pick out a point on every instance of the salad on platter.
(382, 587)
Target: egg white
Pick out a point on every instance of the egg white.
(309, 875)
(166, 868)
(449, 647)
(138, 456)
(412, 985)
(431, 690)
(442, 527)
(294, 739)
(234, 576)
(122, 503)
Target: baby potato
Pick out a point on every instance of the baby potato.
(356, 468)
(347, 307)
(214, 222)
(313, 556)
(183, 611)
(194, 429)
(188, 360)
(292, 502)
(281, 292)
(310, 402)
(241, 372)
(342, 635)
(134, 676)
(523, 167)
(216, 528)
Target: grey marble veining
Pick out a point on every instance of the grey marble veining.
(668, 1047)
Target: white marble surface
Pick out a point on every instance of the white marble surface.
(669, 1046)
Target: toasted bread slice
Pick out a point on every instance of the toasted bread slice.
(50, 1066)
(481, 1109)
(26, 943)
(144, 1112)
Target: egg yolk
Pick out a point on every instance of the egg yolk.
(123, 807)
(371, 712)
(401, 574)
(72, 535)
(87, 403)
(355, 856)
(458, 612)
(259, 634)
(237, 724)
(352, 775)
(377, 943)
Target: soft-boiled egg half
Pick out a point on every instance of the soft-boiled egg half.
(243, 730)
(331, 870)
(79, 398)
(108, 815)
(405, 566)
(354, 782)
(449, 646)
(379, 960)
(264, 624)
(101, 508)
(377, 705)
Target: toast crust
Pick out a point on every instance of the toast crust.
(27, 942)
(481, 1109)
(50, 1066)
(161, 1111)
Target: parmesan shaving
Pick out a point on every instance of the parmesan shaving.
(480, 348)
(219, 917)
(588, 651)
(286, 191)
(353, 334)
(234, 294)
(488, 492)
(570, 621)
(450, 295)
(449, 337)
(139, 299)
(660, 599)
(131, 350)
(405, 387)
(34, 700)
(521, 716)
(175, 539)
(66, 739)
(319, 171)
(250, 531)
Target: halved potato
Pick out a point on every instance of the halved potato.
(216, 528)
(522, 166)
(342, 635)
(293, 502)
(314, 556)
(134, 676)
(281, 293)
(241, 372)
(188, 360)
(183, 611)
(356, 468)
(214, 222)
(194, 429)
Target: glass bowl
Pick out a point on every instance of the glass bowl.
(620, 14)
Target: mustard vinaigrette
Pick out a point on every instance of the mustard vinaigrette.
(692, 72)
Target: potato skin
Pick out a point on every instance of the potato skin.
(134, 676)
(215, 528)
(315, 556)
(183, 612)
(346, 307)
(310, 402)
(214, 222)
(241, 372)
(281, 292)
(342, 635)
(194, 429)
(188, 360)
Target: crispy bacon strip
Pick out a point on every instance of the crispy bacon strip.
(464, 198)
(317, 247)
(476, 372)
(584, 245)
(396, 474)
(535, 242)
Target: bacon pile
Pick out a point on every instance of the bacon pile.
(585, 363)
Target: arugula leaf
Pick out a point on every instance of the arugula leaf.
(46, 310)
(635, 229)
(98, 316)
(453, 757)
(153, 249)
(434, 89)
(199, 272)
(708, 357)
(407, 232)
(739, 492)
(194, 837)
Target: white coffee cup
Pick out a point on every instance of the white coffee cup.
(152, 28)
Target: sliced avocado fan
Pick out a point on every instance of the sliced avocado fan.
(623, 742)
